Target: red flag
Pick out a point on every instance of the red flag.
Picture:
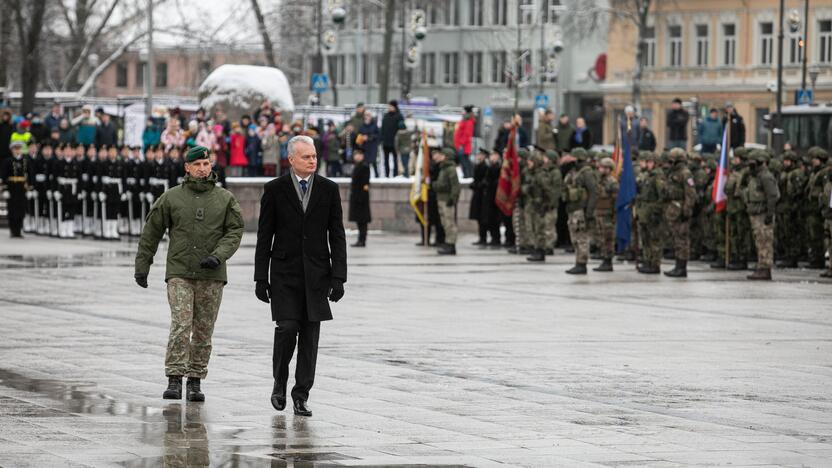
(508, 187)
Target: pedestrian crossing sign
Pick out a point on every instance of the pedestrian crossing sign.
(320, 82)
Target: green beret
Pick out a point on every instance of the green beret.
(449, 152)
(197, 152)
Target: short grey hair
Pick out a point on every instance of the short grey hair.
(299, 139)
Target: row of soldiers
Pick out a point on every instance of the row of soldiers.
(102, 192)
(674, 215)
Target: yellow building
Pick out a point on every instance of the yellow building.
(709, 52)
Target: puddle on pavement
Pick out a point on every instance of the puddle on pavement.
(111, 258)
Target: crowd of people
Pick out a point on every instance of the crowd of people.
(776, 207)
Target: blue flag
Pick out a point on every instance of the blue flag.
(626, 195)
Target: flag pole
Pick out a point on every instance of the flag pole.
(727, 216)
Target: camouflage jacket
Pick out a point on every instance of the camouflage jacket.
(580, 192)
(761, 193)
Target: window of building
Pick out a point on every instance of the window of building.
(162, 74)
(551, 11)
(499, 10)
(450, 12)
(702, 45)
(379, 60)
(766, 43)
(475, 12)
(474, 63)
(674, 33)
(547, 72)
(362, 70)
(141, 68)
(337, 73)
(121, 75)
(450, 68)
(648, 56)
(795, 48)
(729, 44)
(527, 8)
(523, 65)
(498, 67)
(825, 41)
(427, 68)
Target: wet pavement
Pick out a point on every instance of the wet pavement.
(478, 360)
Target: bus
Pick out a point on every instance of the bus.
(808, 126)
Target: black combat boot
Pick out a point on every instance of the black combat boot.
(649, 269)
(174, 390)
(549, 251)
(194, 393)
(606, 265)
(447, 249)
(524, 250)
(537, 256)
(360, 243)
(760, 274)
(679, 271)
(787, 263)
(578, 269)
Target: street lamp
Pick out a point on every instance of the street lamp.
(418, 31)
(777, 136)
(814, 71)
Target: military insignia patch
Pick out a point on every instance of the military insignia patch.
(200, 214)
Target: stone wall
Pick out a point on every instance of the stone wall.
(390, 207)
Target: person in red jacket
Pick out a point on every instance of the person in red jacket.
(463, 134)
(238, 146)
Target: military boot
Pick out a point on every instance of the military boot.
(787, 263)
(525, 250)
(649, 269)
(763, 274)
(738, 264)
(578, 269)
(606, 265)
(537, 255)
(549, 251)
(194, 393)
(447, 249)
(826, 274)
(174, 390)
(718, 264)
(679, 271)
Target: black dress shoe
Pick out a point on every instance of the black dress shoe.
(279, 397)
(301, 409)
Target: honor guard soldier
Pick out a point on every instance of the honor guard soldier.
(29, 224)
(679, 197)
(760, 194)
(67, 195)
(134, 185)
(40, 169)
(581, 195)
(177, 169)
(110, 195)
(14, 184)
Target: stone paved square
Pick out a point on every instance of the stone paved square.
(478, 360)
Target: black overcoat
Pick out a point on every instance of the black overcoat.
(359, 209)
(478, 187)
(299, 253)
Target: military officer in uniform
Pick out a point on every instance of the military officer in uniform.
(205, 226)
(40, 183)
(649, 214)
(581, 195)
(813, 194)
(760, 195)
(679, 198)
(826, 211)
(540, 200)
(14, 184)
(605, 213)
(446, 187)
(66, 195)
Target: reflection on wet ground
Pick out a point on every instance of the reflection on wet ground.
(104, 257)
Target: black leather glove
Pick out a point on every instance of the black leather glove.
(211, 262)
(449, 203)
(768, 219)
(141, 279)
(336, 291)
(263, 291)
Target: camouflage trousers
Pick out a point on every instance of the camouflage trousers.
(680, 232)
(718, 228)
(828, 231)
(446, 217)
(789, 235)
(605, 232)
(763, 239)
(651, 243)
(540, 226)
(518, 220)
(740, 232)
(814, 236)
(193, 310)
(579, 234)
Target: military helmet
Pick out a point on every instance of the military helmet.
(647, 156)
(758, 155)
(818, 152)
(607, 162)
(790, 155)
(676, 155)
(449, 152)
(580, 154)
(741, 152)
(523, 153)
(695, 156)
(552, 155)
(775, 165)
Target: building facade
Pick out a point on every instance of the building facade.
(709, 52)
(470, 56)
(178, 70)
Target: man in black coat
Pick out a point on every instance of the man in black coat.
(14, 184)
(301, 239)
(359, 208)
(734, 119)
(106, 133)
(677, 124)
(479, 186)
(6, 130)
(391, 123)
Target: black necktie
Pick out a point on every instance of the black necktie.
(303, 186)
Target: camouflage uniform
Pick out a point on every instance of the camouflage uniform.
(678, 197)
(540, 198)
(519, 218)
(760, 196)
(554, 180)
(605, 212)
(649, 215)
(789, 231)
(812, 207)
(194, 305)
(698, 224)
(827, 216)
(738, 221)
(580, 195)
(446, 187)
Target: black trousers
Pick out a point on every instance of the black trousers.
(362, 232)
(391, 161)
(15, 226)
(306, 334)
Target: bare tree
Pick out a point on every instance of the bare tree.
(80, 41)
(384, 69)
(115, 55)
(5, 39)
(268, 48)
(29, 34)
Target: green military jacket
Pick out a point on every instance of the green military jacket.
(815, 185)
(679, 193)
(201, 220)
(733, 191)
(760, 195)
(607, 193)
(554, 179)
(546, 135)
(648, 200)
(826, 205)
(580, 191)
(539, 191)
(446, 184)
